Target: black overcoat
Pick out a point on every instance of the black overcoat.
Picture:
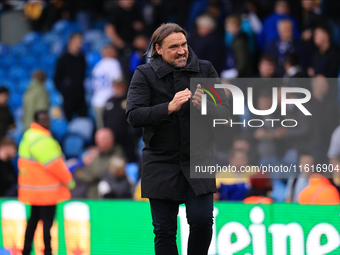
(166, 152)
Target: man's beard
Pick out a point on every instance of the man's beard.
(180, 56)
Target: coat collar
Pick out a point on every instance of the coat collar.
(36, 126)
(161, 68)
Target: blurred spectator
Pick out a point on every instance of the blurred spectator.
(43, 180)
(43, 13)
(104, 73)
(299, 137)
(325, 58)
(269, 135)
(269, 32)
(233, 186)
(154, 14)
(35, 98)
(319, 191)
(311, 18)
(35, 12)
(285, 44)
(114, 119)
(238, 62)
(226, 133)
(69, 77)
(8, 176)
(325, 118)
(85, 12)
(140, 44)
(297, 183)
(125, 22)
(292, 67)
(243, 142)
(293, 71)
(76, 167)
(253, 9)
(207, 43)
(334, 147)
(266, 67)
(114, 183)
(92, 173)
(261, 186)
(6, 118)
(215, 8)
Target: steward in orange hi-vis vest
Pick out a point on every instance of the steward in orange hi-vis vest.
(43, 176)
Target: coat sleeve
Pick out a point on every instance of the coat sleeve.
(139, 112)
(218, 111)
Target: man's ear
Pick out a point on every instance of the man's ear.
(158, 49)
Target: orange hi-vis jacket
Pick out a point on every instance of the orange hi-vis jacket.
(43, 175)
(258, 200)
(320, 191)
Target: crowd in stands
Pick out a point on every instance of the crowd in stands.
(80, 57)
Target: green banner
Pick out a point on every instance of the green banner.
(124, 227)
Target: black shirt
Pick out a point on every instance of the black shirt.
(6, 119)
(7, 177)
(70, 74)
(123, 21)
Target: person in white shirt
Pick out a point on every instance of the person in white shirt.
(104, 73)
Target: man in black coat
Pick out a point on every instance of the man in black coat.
(159, 100)
(69, 77)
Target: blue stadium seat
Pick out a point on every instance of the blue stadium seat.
(23, 86)
(83, 127)
(131, 170)
(73, 146)
(59, 128)
(31, 38)
(93, 36)
(29, 61)
(55, 98)
(3, 74)
(19, 49)
(39, 48)
(57, 47)
(92, 58)
(50, 37)
(50, 87)
(96, 46)
(15, 100)
(17, 73)
(8, 84)
(61, 26)
(7, 61)
(49, 60)
(4, 49)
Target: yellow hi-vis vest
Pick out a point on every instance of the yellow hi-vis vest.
(43, 176)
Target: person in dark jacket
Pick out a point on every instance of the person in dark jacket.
(325, 57)
(159, 100)
(69, 77)
(114, 118)
(207, 43)
(6, 118)
(285, 44)
(8, 176)
(238, 60)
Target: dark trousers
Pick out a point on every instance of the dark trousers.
(46, 214)
(74, 106)
(199, 211)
